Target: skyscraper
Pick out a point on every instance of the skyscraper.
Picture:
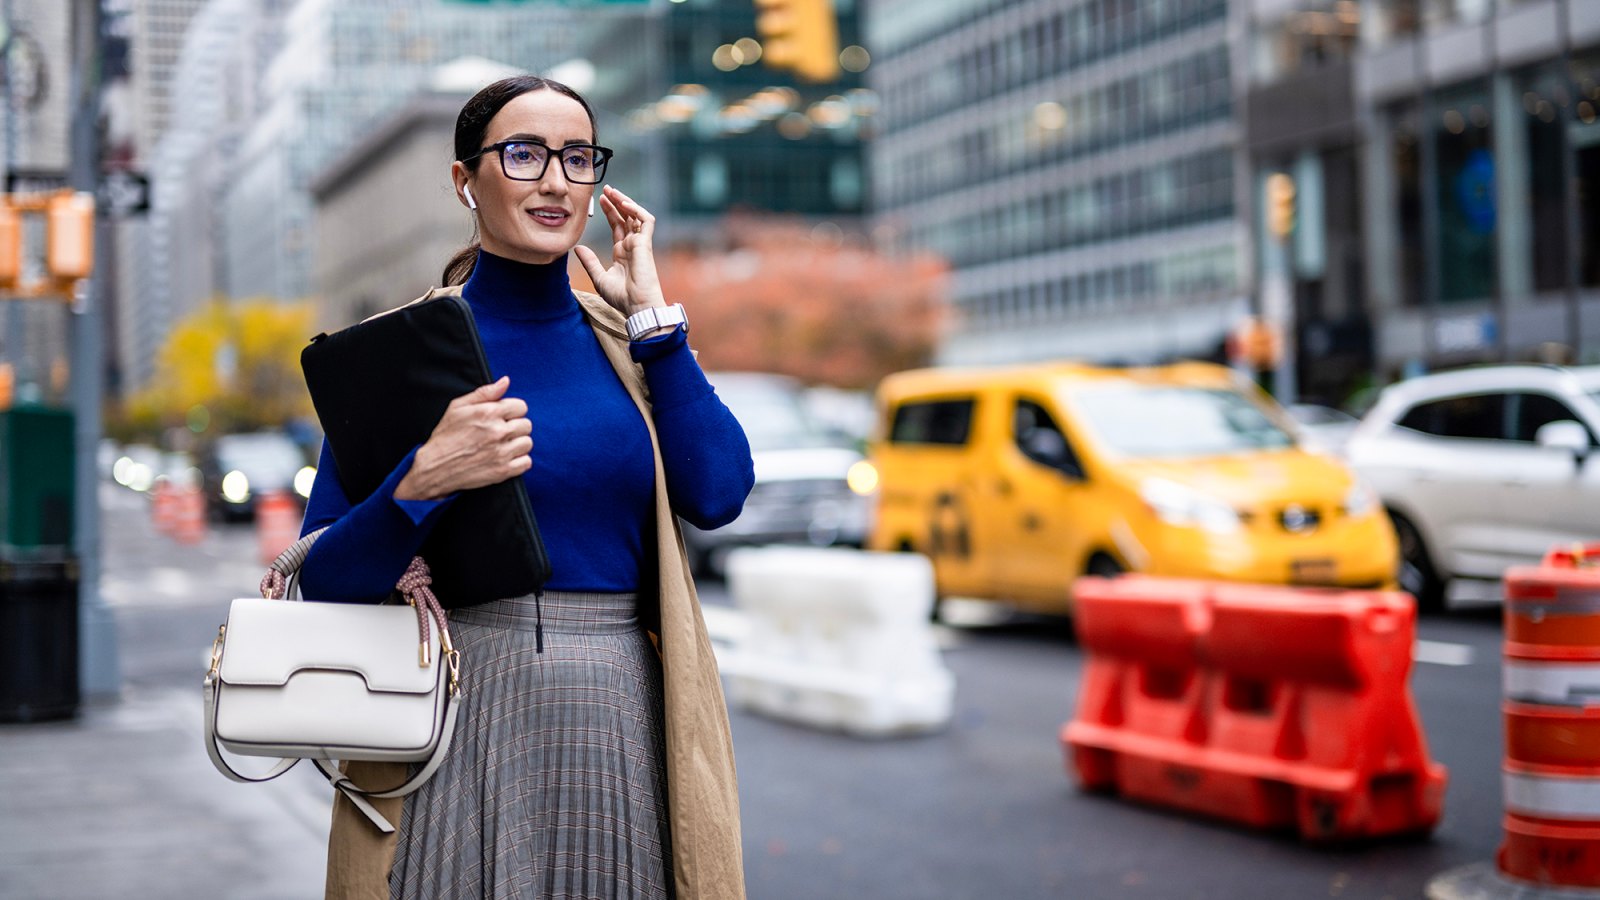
(1078, 164)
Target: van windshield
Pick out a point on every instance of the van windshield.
(1175, 422)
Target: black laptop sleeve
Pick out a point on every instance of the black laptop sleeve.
(379, 388)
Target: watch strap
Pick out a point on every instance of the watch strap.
(650, 318)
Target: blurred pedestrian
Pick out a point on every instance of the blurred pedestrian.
(585, 763)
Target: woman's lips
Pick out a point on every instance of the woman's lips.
(553, 218)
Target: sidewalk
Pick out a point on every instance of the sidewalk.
(123, 802)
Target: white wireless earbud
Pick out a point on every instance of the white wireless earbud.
(591, 206)
(467, 192)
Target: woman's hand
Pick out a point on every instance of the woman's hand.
(482, 439)
(630, 283)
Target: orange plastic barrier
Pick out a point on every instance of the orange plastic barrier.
(189, 516)
(164, 506)
(1273, 707)
(1552, 718)
(277, 525)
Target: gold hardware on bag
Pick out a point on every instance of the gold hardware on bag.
(216, 652)
(454, 659)
(424, 658)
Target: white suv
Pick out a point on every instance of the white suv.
(1482, 469)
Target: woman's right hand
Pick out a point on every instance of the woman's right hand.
(482, 439)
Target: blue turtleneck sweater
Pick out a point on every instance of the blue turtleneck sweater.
(592, 480)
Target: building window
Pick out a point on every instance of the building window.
(1389, 20)
(1465, 192)
(1546, 98)
(1584, 136)
(1405, 161)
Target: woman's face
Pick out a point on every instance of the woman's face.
(530, 221)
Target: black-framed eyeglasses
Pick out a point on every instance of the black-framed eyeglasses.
(528, 160)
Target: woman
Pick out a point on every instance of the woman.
(584, 764)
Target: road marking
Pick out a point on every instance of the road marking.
(1442, 654)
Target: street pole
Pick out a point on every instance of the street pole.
(98, 667)
(11, 342)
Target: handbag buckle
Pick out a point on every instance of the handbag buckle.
(453, 657)
(216, 653)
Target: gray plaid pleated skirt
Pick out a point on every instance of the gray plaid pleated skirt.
(555, 785)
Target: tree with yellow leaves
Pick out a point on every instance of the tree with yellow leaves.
(229, 367)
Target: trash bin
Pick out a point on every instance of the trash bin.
(36, 482)
(38, 640)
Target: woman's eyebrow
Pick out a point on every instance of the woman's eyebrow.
(525, 136)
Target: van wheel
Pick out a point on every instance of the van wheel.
(1103, 565)
(1417, 576)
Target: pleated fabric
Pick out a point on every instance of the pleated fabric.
(555, 785)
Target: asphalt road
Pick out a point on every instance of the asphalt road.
(984, 809)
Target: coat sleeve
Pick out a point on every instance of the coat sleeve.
(368, 545)
(704, 451)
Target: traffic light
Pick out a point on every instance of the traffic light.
(1280, 205)
(10, 246)
(69, 235)
(801, 36)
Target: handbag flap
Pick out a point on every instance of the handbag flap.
(270, 640)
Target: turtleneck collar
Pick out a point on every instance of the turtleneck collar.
(517, 290)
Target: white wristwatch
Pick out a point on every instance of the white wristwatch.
(650, 318)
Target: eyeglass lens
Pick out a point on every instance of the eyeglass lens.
(582, 164)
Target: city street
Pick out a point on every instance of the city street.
(123, 801)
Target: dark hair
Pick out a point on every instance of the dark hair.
(472, 128)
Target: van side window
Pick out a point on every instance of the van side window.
(1040, 439)
(935, 422)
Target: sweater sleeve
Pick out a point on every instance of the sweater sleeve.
(368, 545)
(703, 450)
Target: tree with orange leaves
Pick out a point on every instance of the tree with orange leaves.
(776, 297)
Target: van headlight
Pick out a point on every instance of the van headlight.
(1177, 504)
(862, 477)
(1360, 500)
(235, 487)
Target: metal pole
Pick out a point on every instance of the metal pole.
(11, 344)
(98, 667)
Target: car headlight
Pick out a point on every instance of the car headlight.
(862, 477)
(303, 480)
(1360, 500)
(235, 487)
(1177, 504)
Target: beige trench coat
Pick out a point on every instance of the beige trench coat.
(702, 790)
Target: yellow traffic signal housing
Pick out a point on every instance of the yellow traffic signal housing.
(10, 246)
(69, 235)
(1280, 205)
(801, 36)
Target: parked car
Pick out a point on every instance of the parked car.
(1322, 427)
(812, 485)
(236, 469)
(1017, 481)
(1482, 469)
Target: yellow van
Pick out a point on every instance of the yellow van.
(1016, 481)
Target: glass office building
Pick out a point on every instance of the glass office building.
(704, 127)
(343, 66)
(1482, 183)
(1077, 162)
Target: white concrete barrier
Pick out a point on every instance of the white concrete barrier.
(837, 638)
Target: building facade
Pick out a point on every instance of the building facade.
(1077, 162)
(174, 257)
(704, 127)
(343, 66)
(1482, 180)
(1303, 138)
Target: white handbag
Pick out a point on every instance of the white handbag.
(332, 681)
